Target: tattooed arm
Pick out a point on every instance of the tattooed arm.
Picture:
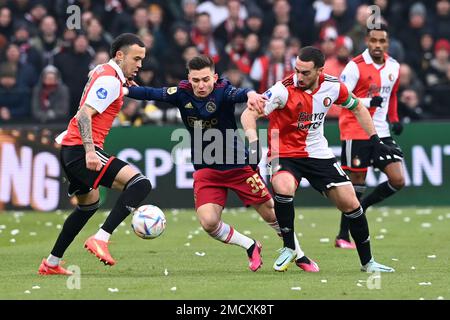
(84, 119)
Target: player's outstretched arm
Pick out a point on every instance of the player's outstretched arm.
(84, 120)
(248, 121)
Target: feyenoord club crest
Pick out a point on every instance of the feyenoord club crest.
(391, 77)
(211, 107)
(327, 102)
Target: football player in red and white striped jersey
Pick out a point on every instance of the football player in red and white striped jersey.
(86, 164)
(373, 77)
(296, 109)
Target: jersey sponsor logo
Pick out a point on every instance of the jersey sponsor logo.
(102, 93)
(308, 121)
(188, 106)
(327, 102)
(171, 90)
(211, 107)
(194, 122)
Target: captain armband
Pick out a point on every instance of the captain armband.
(350, 103)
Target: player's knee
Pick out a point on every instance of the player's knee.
(281, 186)
(358, 177)
(397, 182)
(141, 183)
(209, 224)
(349, 205)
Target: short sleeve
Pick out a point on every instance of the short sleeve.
(103, 92)
(277, 97)
(350, 75)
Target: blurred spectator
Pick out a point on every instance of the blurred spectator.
(236, 53)
(74, 68)
(254, 23)
(98, 38)
(218, 11)
(281, 31)
(174, 64)
(439, 94)
(202, 37)
(26, 73)
(131, 114)
(334, 66)
(189, 8)
(28, 54)
(409, 107)
(6, 23)
(408, 35)
(442, 19)
(436, 73)
(426, 46)
(328, 36)
(158, 29)
(47, 41)
(148, 76)
(50, 100)
(280, 14)
(101, 57)
(14, 98)
(340, 17)
(359, 30)
(225, 31)
(34, 17)
(293, 48)
(125, 21)
(272, 67)
(238, 79)
(408, 80)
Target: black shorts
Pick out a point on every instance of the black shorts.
(83, 180)
(322, 174)
(356, 155)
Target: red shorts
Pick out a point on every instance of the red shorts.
(211, 186)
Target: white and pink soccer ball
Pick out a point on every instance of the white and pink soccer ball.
(148, 222)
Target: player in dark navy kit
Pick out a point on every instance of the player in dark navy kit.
(206, 104)
(86, 164)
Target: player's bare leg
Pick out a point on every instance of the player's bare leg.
(135, 187)
(87, 205)
(210, 217)
(345, 200)
(267, 211)
(396, 181)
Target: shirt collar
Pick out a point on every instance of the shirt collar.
(119, 71)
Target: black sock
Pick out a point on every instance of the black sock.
(344, 226)
(303, 259)
(72, 226)
(359, 229)
(284, 211)
(380, 193)
(250, 250)
(133, 194)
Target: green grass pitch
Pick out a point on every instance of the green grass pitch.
(185, 263)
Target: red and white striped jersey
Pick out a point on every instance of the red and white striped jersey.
(366, 79)
(103, 92)
(296, 117)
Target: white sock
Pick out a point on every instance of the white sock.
(298, 249)
(228, 234)
(53, 261)
(102, 235)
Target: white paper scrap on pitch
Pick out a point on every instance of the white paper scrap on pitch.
(324, 280)
(433, 256)
(426, 225)
(173, 289)
(200, 254)
(324, 240)
(166, 273)
(379, 237)
(247, 232)
(424, 283)
(406, 219)
(113, 290)
(187, 244)
(27, 291)
(296, 288)
(35, 287)
(14, 232)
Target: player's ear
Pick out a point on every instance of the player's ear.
(216, 76)
(320, 70)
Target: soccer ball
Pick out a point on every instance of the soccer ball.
(148, 222)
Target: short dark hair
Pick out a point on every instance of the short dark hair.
(123, 41)
(200, 62)
(312, 54)
(378, 27)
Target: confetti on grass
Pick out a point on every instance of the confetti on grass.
(200, 254)
(113, 290)
(296, 288)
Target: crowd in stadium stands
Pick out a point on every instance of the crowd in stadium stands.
(44, 64)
